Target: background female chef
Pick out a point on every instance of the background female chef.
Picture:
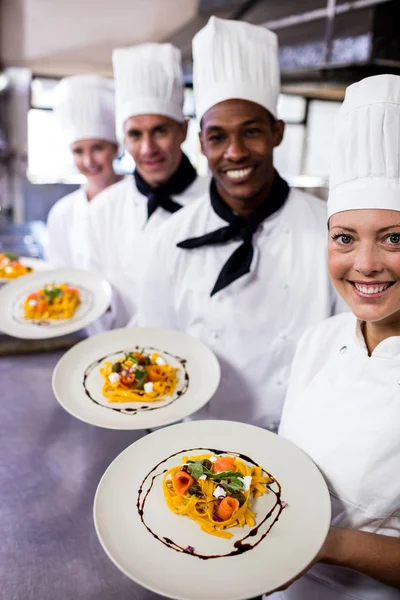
(343, 403)
(84, 107)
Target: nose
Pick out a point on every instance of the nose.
(236, 150)
(88, 160)
(147, 147)
(367, 260)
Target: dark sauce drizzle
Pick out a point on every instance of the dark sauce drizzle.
(144, 408)
(239, 546)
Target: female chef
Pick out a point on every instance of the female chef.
(84, 107)
(343, 403)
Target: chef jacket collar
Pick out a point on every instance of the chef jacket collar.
(388, 348)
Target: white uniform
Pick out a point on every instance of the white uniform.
(84, 110)
(67, 230)
(253, 324)
(343, 410)
(119, 233)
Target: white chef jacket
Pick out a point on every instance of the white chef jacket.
(343, 410)
(119, 233)
(67, 231)
(253, 325)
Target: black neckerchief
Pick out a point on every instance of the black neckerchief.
(161, 195)
(238, 264)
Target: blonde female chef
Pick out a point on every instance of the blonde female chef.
(343, 403)
(84, 107)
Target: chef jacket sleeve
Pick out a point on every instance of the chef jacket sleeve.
(299, 373)
(155, 294)
(117, 315)
(57, 250)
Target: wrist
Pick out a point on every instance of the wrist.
(334, 549)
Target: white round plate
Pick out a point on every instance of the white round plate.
(288, 548)
(95, 299)
(77, 381)
(37, 264)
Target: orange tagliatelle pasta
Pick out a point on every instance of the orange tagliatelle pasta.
(215, 498)
(138, 377)
(11, 267)
(52, 302)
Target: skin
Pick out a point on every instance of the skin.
(372, 554)
(364, 246)
(154, 142)
(238, 135)
(94, 160)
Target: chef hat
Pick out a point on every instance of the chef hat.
(85, 109)
(365, 170)
(233, 59)
(148, 81)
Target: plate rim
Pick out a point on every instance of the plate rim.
(324, 486)
(8, 288)
(35, 260)
(104, 334)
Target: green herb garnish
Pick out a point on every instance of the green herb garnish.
(231, 481)
(52, 293)
(140, 374)
(11, 255)
(129, 356)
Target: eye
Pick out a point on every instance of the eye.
(253, 131)
(342, 238)
(161, 131)
(393, 239)
(215, 138)
(133, 135)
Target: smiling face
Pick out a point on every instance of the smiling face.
(154, 142)
(238, 138)
(94, 159)
(364, 263)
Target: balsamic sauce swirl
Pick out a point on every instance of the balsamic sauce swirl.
(240, 546)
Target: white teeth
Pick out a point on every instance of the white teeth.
(364, 289)
(239, 173)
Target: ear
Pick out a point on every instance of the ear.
(184, 127)
(278, 131)
(116, 150)
(201, 140)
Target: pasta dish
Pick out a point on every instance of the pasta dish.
(138, 376)
(52, 302)
(215, 491)
(11, 267)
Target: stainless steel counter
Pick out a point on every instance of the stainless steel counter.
(50, 465)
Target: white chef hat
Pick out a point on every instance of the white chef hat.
(233, 59)
(365, 170)
(85, 108)
(148, 80)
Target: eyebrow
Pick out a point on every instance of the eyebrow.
(134, 131)
(396, 226)
(244, 124)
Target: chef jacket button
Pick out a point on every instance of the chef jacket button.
(279, 382)
(283, 337)
(285, 286)
(343, 349)
(215, 335)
